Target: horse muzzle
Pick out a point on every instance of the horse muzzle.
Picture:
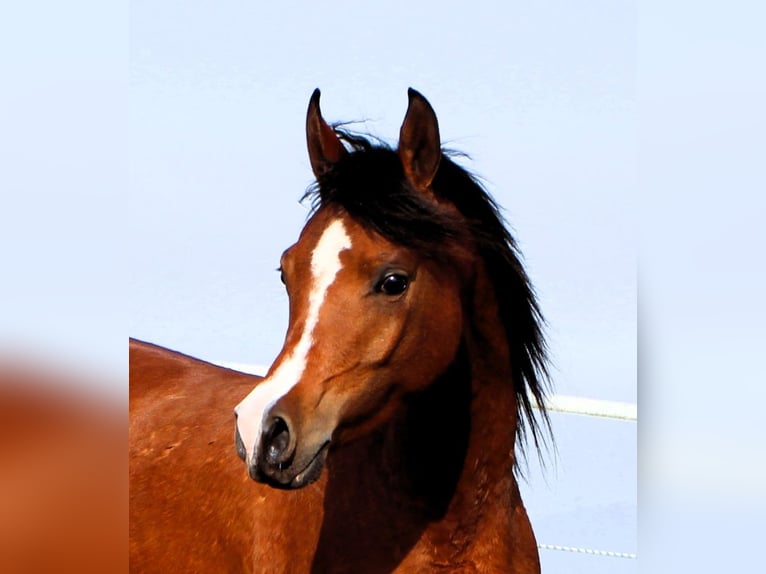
(277, 459)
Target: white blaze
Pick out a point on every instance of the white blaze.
(325, 265)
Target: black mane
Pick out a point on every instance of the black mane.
(369, 183)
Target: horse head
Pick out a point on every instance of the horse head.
(371, 320)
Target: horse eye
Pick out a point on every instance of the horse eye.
(282, 275)
(393, 284)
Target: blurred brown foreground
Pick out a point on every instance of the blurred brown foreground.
(63, 471)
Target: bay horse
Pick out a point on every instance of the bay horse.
(383, 437)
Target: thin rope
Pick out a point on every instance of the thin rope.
(588, 551)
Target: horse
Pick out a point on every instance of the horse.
(386, 436)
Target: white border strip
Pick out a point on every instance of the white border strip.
(555, 403)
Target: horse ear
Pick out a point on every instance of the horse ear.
(325, 148)
(419, 143)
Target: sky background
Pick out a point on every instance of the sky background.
(542, 98)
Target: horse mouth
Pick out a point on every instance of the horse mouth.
(309, 474)
(313, 469)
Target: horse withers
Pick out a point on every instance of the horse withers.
(384, 436)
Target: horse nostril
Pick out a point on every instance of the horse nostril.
(276, 440)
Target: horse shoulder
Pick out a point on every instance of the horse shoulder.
(189, 497)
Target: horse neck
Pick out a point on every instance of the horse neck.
(441, 472)
(454, 443)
